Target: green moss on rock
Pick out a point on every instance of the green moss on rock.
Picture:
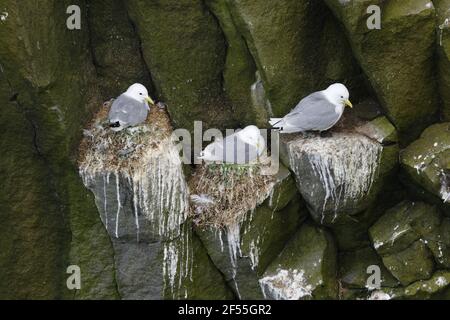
(296, 46)
(397, 59)
(115, 47)
(443, 43)
(184, 49)
(426, 163)
(305, 269)
(50, 77)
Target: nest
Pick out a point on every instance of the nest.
(222, 194)
(104, 148)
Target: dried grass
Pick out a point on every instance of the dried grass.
(103, 148)
(233, 189)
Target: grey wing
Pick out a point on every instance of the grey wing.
(314, 112)
(128, 111)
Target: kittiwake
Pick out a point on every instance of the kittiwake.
(319, 111)
(241, 147)
(130, 108)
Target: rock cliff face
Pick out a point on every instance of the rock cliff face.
(374, 192)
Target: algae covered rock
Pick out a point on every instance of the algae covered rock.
(305, 269)
(116, 48)
(410, 240)
(437, 287)
(426, 162)
(281, 37)
(241, 80)
(184, 49)
(47, 90)
(397, 59)
(353, 266)
(256, 216)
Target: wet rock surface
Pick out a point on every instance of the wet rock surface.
(443, 42)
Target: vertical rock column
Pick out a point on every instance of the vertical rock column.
(137, 178)
(397, 59)
(246, 222)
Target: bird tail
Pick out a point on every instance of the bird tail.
(275, 121)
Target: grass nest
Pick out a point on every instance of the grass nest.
(222, 194)
(103, 148)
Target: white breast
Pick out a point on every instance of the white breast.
(339, 109)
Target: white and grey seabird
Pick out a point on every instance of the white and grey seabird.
(130, 108)
(318, 111)
(241, 147)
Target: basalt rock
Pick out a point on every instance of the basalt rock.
(242, 247)
(426, 164)
(281, 36)
(443, 43)
(47, 85)
(412, 238)
(137, 179)
(184, 49)
(397, 59)
(305, 269)
(116, 48)
(341, 175)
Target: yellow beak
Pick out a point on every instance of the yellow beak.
(149, 100)
(348, 103)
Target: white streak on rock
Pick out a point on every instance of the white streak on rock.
(286, 285)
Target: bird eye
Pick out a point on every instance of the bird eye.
(342, 97)
(140, 93)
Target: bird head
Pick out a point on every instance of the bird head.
(138, 92)
(252, 136)
(338, 94)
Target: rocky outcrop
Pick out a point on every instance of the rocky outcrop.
(353, 266)
(115, 48)
(281, 36)
(426, 164)
(137, 179)
(305, 269)
(443, 42)
(411, 239)
(397, 59)
(244, 244)
(434, 288)
(341, 175)
(136, 232)
(185, 51)
(49, 222)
